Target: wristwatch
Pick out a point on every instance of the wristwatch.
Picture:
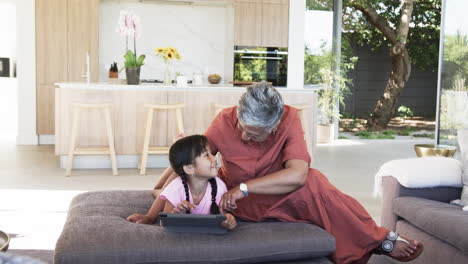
(244, 190)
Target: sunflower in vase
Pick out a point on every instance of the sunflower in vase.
(168, 54)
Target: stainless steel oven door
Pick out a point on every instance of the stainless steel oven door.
(258, 64)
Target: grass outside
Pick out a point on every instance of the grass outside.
(415, 127)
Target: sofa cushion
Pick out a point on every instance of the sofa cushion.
(442, 220)
(96, 231)
(463, 145)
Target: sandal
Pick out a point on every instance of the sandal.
(389, 243)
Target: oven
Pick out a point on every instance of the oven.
(4, 67)
(261, 64)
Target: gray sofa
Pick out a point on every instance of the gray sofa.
(426, 215)
(96, 232)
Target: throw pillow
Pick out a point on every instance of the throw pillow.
(463, 145)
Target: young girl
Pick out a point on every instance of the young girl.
(197, 190)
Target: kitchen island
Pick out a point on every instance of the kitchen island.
(128, 116)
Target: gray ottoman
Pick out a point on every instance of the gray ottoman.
(96, 232)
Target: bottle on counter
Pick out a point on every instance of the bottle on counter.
(197, 78)
(114, 71)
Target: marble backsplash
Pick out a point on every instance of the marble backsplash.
(203, 35)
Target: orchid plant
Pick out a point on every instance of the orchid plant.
(129, 25)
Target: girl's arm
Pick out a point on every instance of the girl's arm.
(163, 178)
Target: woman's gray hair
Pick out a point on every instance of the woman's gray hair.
(261, 106)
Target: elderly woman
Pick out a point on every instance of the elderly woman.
(265, 165)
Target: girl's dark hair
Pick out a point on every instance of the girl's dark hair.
(184, 152)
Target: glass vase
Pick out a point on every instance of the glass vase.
(167, 74)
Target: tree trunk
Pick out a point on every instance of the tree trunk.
(401, 65)
(385, 106)
(401, 70)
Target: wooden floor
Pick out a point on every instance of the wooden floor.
(34, 184)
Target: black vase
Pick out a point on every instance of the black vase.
(133, 75)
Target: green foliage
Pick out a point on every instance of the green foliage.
(343, 137)
(456, 62)
(405, 111)
(324, 5)
(346, 115)
(424, 29)
(319, 69)
(132, 61)
(424, 135)
(374, 135)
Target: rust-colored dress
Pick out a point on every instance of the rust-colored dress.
(317, 202)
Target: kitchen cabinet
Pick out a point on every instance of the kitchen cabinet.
(261, 23)
(248, 24)
(129, 114)
(275, 22)
(65, 31)
(83, 37)
(280, 2)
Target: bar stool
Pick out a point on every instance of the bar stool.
(219, 107)
(73, 150)
(149, 122)
(302, 115)
(305, 125)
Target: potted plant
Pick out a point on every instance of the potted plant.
(335, 87)
(129, 25)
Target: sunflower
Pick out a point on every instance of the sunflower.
(170, 55)
(159, 50)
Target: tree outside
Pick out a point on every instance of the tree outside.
(408, 28)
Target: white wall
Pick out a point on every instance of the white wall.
(296, 44)
(26, 72)
(8, 86)
(202, 34)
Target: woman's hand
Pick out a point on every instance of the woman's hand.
(228, 200)
(140, 219)
(182, 207)
(230, 222)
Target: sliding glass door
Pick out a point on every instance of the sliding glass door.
(453, 72)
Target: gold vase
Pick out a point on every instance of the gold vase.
(427, 150)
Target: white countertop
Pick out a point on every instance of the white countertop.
(173, 87)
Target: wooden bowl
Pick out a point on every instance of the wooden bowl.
(427, 150)
(214, 79)
(4, 241)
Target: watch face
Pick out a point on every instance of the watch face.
(387, 246)
(392, 236)
(243, 187)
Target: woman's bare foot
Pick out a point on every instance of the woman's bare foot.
(402, 249)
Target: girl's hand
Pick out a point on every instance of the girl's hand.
(140, 219)
(182, 207)
(230, 222)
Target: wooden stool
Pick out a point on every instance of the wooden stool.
(73, 150)
(149, 122)
(219, 107)
(305, 125)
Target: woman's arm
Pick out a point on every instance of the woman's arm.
(289, 179)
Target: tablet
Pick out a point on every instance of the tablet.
(193, 223)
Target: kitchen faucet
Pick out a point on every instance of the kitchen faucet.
(87, 74)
